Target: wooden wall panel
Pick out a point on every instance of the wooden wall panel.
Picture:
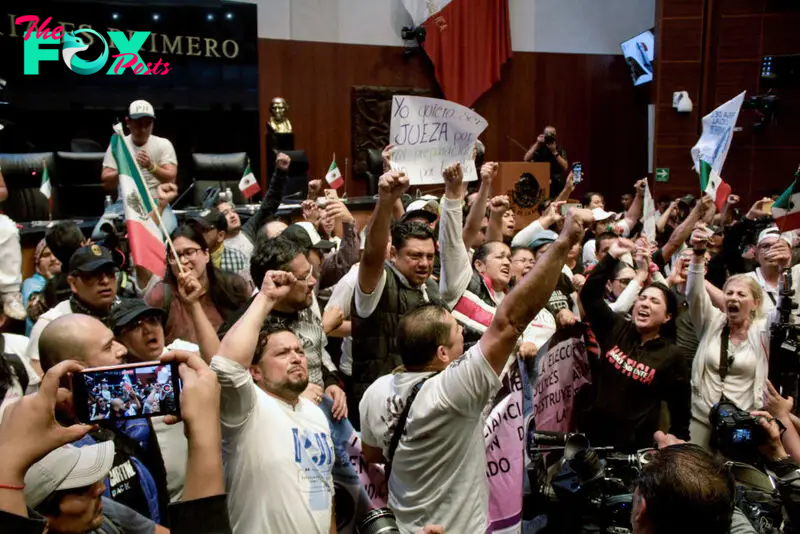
(601, 118)
(781, 33)
(737, 33)
(685, 38)
(739, 37)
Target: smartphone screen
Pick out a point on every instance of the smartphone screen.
(565, 208)
(577, 173)
(126, 392)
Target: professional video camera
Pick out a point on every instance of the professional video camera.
(784, 352)
(589, 489)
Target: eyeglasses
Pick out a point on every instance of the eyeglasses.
(186, 254)
(307, 277)
(149, 320)
(109, 272)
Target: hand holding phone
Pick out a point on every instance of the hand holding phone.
(577, 173)
(133, 391)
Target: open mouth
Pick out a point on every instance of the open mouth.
(643, 315)
(733, 307)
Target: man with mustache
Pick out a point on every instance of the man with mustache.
(276, 443)
(388, 289)
(92, 280)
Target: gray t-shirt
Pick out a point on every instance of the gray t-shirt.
(119, 519)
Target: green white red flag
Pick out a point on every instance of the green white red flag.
(145, 239)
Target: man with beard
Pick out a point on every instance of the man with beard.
(276, 444)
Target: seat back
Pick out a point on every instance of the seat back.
(79, 191)
(23, 176)
(220, 171)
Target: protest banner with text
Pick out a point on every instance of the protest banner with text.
(504, 438)
(428, 134)
(562, 369)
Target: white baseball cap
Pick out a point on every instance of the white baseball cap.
(67, 467)
(601, 215)
(141, 108)
(772, 231)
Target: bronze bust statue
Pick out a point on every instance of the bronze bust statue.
(278, 122)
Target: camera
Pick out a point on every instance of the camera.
(737, 434)
(378, 521)
(549, 139)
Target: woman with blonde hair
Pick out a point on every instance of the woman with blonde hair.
(733, 353)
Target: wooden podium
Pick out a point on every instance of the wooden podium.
(527, 185)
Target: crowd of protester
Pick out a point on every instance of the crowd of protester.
(427, 306)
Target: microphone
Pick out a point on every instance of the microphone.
(191, 186)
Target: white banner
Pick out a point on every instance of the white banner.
(428, 134)
(717, 134)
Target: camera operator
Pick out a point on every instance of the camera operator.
(546, 150)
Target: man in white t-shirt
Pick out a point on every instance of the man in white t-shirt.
(438, 471)
(277, 445)
(155, 156)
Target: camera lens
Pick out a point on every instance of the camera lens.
(379, 521)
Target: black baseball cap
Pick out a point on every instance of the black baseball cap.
(306, 237)
(90, 258)
(212, 219)
(129, 310)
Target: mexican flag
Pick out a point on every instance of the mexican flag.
(713, 185)
(786, 210)
(248, 185)
(45, 188)
(146, 240)
(334, 177)
(468, 41)
(711, 150)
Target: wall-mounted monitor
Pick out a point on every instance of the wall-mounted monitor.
(639, 53)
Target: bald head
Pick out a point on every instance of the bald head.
(81, 338)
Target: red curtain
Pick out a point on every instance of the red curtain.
(468, 41)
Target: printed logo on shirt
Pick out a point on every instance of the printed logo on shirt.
(630, 367)
(120, 478)
(558, 301)
(313, 454)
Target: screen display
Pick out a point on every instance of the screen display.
(741, 435)
(639, 53)
(130, 392)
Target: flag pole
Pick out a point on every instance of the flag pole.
(155, 208)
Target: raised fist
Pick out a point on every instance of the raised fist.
(282, 162)
(392, 185)
(499, 204)
(488, 172)
(277, 284)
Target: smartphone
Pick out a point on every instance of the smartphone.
(577, 173)
(565, 208)
(768, 207)
(331, 194)
(133, 391)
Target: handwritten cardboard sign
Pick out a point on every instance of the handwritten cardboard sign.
(429, 134)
